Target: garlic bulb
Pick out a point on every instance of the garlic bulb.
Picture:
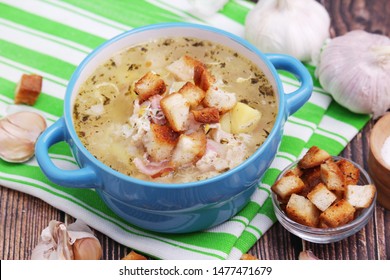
(294, 27)
(18, 134)
(73, 242)
(355, 70)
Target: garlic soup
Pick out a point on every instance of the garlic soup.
(175, 110)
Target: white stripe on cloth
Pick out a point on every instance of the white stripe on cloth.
(41, 45)
(216, 20)
(106, 21)
(117, 230)
(302, 122)
(339, 127)
(49, 37)
(298, 131)
(66, 17)
(280, 163)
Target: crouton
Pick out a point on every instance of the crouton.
(176, 110)
(160, 141)
(302, 211)
(350, 171)
(189, 149)
(134, 257)
(192, 93)
(222, 100)
(321, 197)
(360, 196)
(332, 176)
(294, 171)
(313, 157)
(149, 85)
(311, 177)
(183, 68)
(286, 186)
(202, 77)
(28, 89)
(206, 115)
(340, 213)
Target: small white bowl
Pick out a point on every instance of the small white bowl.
(326, 235)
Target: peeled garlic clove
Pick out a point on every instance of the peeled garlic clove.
(18, 134)
(88, 248)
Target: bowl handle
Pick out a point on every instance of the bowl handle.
(84, 177)
(298, 98)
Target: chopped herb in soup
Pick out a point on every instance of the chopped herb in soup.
(175, 110)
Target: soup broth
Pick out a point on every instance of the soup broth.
(113, 123)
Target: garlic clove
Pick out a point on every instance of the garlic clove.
(88, 248)
(307, 255)
(54, 243)
(73, 242)
(31, 122)
(18, 134)
(14, 149)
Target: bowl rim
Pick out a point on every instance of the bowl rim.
(279, 120)
(364, 215)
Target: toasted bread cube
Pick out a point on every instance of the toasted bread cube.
(350, 171)
(222, 100)
(160, 141)
(28, 89)
(340, 213)
(133, 256)
(339, 195)
(313, 157)
(192, 93)
(294, 171)
(311, 177)
(302, 211)
(321, 197)
(206, 115)
(360, 196)
(286, 186)
(332, 176)
(183, 68)
(149, 85)
(202, 77)
(189, 149)
(176, 110)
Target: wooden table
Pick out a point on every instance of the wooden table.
(23, 217)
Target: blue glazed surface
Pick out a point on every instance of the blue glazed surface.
(173, 208)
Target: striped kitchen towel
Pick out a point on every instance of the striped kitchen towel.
(51, 38)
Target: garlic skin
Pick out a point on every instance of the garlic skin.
(18, 134)
(73, 242)
(355, 70)
(297, 28)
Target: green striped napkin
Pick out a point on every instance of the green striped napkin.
(51, 38)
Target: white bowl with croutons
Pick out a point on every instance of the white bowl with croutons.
(322, 198)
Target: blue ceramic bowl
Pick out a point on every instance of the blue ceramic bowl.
(172, 208)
